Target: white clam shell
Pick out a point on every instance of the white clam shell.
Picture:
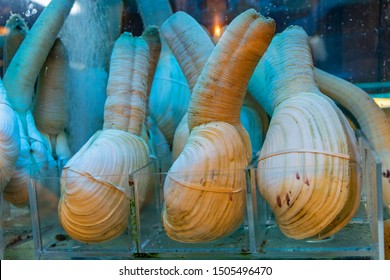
(9, 140)
(304, 169)
(204, 191)
(94, 205)
(169, 96)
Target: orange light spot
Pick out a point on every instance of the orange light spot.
(4, 31)
(217, 31)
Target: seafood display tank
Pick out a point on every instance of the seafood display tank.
(185, 129)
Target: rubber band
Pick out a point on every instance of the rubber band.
(195, 187)
(338, 155)
(125, 190)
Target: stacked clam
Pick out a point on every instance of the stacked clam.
(204, 191)
(95, 188)
(308, 168)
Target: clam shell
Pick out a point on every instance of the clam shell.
(95, 187)
(304, 170)
(204, 191)
(9, 140)
(250, 120)
(169, 96)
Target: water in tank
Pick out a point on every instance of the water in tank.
(71, 52)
